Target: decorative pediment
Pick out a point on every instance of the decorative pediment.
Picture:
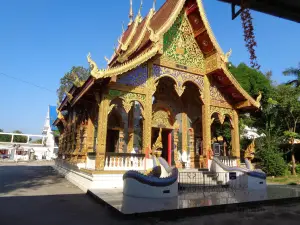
(180, 46)
(161, 119)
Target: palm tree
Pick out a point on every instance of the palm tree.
(293, 72)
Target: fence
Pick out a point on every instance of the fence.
(198, 180)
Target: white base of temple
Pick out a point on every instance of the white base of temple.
(134, 188)
(88, 181)
(255, 183)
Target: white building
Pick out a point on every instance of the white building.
(38, 147)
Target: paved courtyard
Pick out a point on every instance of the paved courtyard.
(34, 194)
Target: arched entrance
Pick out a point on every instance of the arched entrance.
(166, 103)
(221, 131)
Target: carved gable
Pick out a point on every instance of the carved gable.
(217, 97)
(181, 48)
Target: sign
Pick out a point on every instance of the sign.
(217, 149)
(232, 176)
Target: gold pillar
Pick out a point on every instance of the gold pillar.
(130, 130)
(176, 155)
(90, 135)
(121, 141)
(184, 120)
(102, 132)
(206, 120)
(147, 111)
(235, 135)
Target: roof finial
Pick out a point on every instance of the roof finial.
(141, 6)
(154, 5)
(130, 14)
(123, 29)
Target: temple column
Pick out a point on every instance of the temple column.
(130, 130)
(170, 148)
(90, 134)
(102, 132)
(184, 132)
(147, 110)
(235, 136)
(206, 121)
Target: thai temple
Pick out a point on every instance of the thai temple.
(164, 88)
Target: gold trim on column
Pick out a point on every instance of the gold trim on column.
(236, 136)
(206, 119)
(147, 111)
(184, 132)
(102, 132)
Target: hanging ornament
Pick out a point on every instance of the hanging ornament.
(249, 36)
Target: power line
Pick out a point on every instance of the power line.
(26, 82)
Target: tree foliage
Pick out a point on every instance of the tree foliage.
(76, 74)
(252, 80)
(19, 138)
(4, 137)
(295, 72)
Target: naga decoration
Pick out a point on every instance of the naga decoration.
(93, 66)
(158, 143)
(69, 96)
(250, 153)
(259, 97)
(249, 36)
(77, 82)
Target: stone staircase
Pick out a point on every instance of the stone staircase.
(199, 177)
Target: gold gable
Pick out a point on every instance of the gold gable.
(181, 48)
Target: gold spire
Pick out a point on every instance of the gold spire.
(130, 14)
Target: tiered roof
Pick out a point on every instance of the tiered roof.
(143, 40)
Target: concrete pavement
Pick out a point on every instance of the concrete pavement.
(34, 194)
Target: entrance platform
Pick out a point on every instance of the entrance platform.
(197, 202)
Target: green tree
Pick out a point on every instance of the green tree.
(267, 146)
(19, 138)
(295, 72)
(4, 137)
(252, 80)
(288, 98)
(75, 75)
(38, 141)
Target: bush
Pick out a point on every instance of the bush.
(298, 169)
(272, 163)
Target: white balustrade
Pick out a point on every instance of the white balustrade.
(230, 162)
(124, 162)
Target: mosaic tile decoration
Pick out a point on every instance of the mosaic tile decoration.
(180, 76)
(137, 77)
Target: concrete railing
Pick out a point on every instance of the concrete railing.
(124, 162)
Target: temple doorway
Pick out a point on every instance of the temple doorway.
(112, 141)
(164, 141)
(221, 130)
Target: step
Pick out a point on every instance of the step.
(193, 170)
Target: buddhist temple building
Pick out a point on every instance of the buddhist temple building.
(164, 87)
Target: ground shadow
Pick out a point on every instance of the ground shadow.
(18, 177)
(56, 209)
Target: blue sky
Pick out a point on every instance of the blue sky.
(40, 40)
